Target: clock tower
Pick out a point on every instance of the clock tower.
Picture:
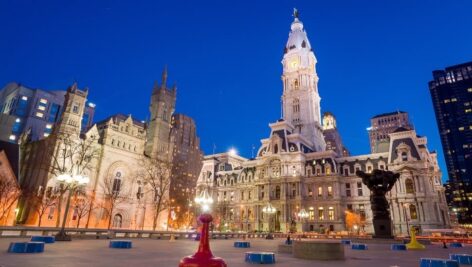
(300, 99)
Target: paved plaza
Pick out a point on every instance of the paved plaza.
(148, 252)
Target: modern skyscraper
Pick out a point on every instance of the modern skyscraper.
(35, 110)
(451, 92)
(186, 165)
(384, 124)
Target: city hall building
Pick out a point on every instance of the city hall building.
(303, 165)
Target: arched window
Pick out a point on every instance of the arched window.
(296, 84)
(296, 105)
(117, 183)
(409, 186)
(404, 156)
(117, 221)
(413, 214)
(276, 149)
(328, 170)
(277, 192)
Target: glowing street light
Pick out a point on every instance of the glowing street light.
(269, 210)
(232, 151)
(204, 200)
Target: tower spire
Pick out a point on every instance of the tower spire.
(295, 13)
(164, 77)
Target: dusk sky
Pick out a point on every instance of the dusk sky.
(225, 56)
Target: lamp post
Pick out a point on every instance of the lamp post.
(72, 182)
(269, 210)
(302, 214)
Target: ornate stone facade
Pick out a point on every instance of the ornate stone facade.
(293, 169)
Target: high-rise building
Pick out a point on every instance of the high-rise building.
(332, 136)
(451, 92)
(37, 111)
(186, 165)
(384, 124)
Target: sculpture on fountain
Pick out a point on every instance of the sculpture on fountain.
(380, 182)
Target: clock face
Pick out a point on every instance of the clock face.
(293, 63)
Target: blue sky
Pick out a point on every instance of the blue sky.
(373, 57)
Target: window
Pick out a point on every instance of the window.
(117, 221)
(39, 114)
(320, 191)
(331, 213)
(75, 108)
(359, 189)
(311, 214)
(320, 214)
(349, 207)
(117, 183)
(328, 170)
(409, 186)
(362, 211)
(43, 101)
(413, 213)
(348, 189)
(330, 191)
(404, 156)
(310, 192)
(296, 105)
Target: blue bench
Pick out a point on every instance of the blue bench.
(120, 244)
(26, 247)
(260, 257)
(242, 244)
(465, 259)
(345, 242)
(43, 238)
(427, 262)
(359, 246)
(398, 247)
(455, 245)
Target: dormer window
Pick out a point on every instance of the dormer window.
(304, 44)
(404, 156)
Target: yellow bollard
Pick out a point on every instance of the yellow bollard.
(414, 244)
(172, 238)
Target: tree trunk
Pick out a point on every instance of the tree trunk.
(40, 219)
(59, 210)
(78, 221)
(156, 216)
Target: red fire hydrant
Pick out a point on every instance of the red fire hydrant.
(203, 257)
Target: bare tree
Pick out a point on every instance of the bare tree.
(43, 203)
(9, 194)
(70, 155)
(155, 175)
(115, 192)
(83, 204)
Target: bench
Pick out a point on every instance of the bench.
(429, 262)
(260, 257)
(398, 247)
(242, 244)
(456, 245)
(465, 259)
(26, 247)
(43, 238)
(318, 250)
(359, 246)
(120, 244)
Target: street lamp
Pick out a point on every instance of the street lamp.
(204, 200)
(72, 182)
(269, 210)
(302, 214)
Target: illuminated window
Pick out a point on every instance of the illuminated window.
(469, 90)
(311, 214)
(461, 128)
(328, 170)
(12, 137)
(331, 213)
(42, 108)
(330, 191)
(320, 214)
(454, 100)
(43, 101)
(409, 186)
(447, 100)
(25, 98)
(48, 126)
(17, 120)
(468, 110)
(46, 134)
(413, 213)
(320, 191)
(39, 114)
